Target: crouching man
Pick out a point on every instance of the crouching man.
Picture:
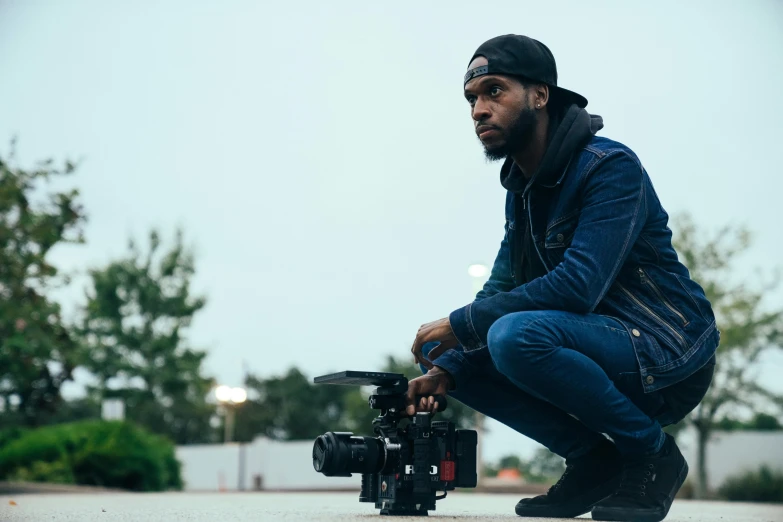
(590, 335)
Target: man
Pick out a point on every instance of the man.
(589, 335)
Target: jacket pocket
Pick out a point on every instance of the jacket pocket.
(558, 237)
(646, 280)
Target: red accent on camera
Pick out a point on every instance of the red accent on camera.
(447, 470)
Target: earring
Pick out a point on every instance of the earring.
(538, 105)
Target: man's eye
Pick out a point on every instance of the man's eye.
(471, 100)
(494, 91)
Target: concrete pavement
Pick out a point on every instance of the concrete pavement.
(309, 507)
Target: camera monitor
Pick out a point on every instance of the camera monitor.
(361, 378)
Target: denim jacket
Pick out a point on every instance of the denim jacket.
(602, 235)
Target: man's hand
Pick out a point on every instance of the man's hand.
(436, 331)
(437, 381)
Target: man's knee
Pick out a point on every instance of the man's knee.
(517, 336)
(501, 339)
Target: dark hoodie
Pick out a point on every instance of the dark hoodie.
(569, 133)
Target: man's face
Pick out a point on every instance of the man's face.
(503, 115)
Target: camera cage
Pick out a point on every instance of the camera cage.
(390, 397)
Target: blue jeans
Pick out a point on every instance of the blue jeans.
(564, 379)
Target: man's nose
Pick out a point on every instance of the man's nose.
(480, 111)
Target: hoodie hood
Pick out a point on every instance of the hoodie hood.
(574, 130)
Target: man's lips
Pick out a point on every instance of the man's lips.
(485, 130)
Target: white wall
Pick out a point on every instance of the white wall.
(733, 452)
(289, 465)
(281, 465)
(213, 467)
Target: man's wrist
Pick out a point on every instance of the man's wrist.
(443, 374)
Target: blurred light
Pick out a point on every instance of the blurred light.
(238, 395)
(223, 393)
(477, 270)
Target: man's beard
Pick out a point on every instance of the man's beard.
(520, 132)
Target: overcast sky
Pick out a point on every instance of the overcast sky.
(321, 158)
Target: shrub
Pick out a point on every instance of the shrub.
(39, 471)
(108, 454)
(10, 434)
(763, 485)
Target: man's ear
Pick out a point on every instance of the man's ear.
(540, 96)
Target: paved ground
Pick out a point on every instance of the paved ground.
(308, 507)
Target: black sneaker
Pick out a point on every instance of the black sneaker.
(587, 480)
(648, 487)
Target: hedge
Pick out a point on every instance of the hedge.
(763, 485)
(97, 453)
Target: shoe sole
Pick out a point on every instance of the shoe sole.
(524, 510)
(647, 515)
(550, 512)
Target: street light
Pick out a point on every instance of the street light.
(230, 398)
(478, 270)
(479, 274)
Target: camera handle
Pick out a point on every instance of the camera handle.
(397, 403)
(440, 399)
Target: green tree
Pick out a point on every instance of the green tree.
(38, 351)
(764, 422)
(544, 466)
(511, 462)
(748, 329)
(135, 320)
(759, 422)
(291, 407)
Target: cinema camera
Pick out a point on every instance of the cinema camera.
(403, 468)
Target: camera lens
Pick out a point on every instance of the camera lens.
(340, 454)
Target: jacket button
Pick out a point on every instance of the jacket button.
(650, 379)
(560, 237)
(635, 332)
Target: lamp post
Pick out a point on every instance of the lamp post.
(479, 274)
(230, 398)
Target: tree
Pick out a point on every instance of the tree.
(505, 462)
(543, 467)
(291, 407)
(747, 328)
(38, 351)
(759, 422)
(138, 309)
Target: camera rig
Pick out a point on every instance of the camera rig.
(402, 467)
